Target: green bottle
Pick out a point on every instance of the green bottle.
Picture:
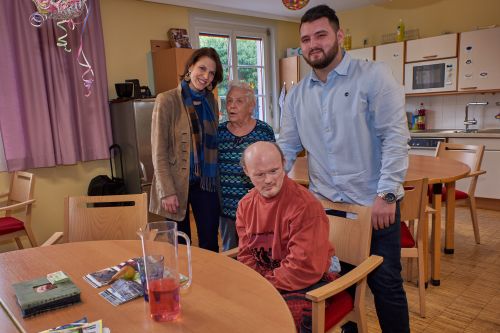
(400, 33)
(347, 40)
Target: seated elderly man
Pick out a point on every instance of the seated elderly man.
(283, 231)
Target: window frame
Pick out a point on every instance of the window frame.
(243, 28)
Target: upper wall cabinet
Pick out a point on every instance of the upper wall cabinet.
(439, 47)
(168, 65)
(392, 55)
(292, 70)
(479, 67)
(363, 54)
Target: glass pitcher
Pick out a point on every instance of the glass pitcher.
(160, 257)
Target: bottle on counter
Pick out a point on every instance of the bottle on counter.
(400, 32)
(421, 117)
(347, 40)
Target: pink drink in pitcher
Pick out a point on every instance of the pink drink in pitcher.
(164, 300)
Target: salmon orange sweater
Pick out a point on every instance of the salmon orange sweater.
(284, 238)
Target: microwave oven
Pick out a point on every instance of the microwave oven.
(431, 76)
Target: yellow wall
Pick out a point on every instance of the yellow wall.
(128, 27)
(431, 17)
(52, 185)
(287, 36)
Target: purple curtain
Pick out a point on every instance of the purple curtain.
(45, 118)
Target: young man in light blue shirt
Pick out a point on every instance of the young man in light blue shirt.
(349, 116)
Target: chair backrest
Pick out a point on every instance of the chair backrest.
(351, 236)
(415, 200)
(472, 155)
(88, 218)
(21, 187)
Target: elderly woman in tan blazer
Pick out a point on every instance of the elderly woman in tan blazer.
(184, 149)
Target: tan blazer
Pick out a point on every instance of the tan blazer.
(170, 149)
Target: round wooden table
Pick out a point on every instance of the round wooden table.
(439, 171)
(226, 296)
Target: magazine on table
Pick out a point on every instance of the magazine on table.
(125, 283)
(105, 276)
(80, 326)
(122, 291)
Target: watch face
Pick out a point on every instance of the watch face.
(390, 198)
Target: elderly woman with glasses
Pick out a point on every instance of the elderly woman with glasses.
(233, 136)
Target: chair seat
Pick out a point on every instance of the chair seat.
(407, 240)
(10, 224)
(459, 195)
(340, 305)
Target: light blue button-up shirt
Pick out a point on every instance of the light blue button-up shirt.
(354, 129)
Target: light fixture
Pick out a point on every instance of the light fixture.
(295, 4)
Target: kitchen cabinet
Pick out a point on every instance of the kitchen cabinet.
(478, 60)
(488, 185)
(292, 70)
(168, 65)
(393, 55)
(438, 47)
(365, 53)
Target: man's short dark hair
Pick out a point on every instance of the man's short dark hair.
(321, 11)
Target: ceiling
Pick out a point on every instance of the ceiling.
(273, 9)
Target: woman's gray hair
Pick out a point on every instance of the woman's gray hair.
(249, 93)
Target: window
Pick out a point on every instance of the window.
(244, 53)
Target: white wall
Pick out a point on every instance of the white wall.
(448, 112)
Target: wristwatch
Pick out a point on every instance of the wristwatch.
(387, 197)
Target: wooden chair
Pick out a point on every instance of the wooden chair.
(85, 218)
(413, 207)
(19, 197)
(472, 155)
(351, 238)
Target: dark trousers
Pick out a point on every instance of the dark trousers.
(386, 283)
(206, 209)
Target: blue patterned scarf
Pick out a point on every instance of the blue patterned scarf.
(203, 137)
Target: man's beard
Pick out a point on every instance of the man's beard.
(327, 60)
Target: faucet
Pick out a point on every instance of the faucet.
(468, 122)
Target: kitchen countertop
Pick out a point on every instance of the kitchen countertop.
(452, 133)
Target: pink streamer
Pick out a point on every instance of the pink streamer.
(64, 11)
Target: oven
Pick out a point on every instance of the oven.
(424, 145)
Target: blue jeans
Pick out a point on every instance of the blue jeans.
(228, 233)
(205, 207)
(386, 283)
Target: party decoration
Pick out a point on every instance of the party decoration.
(65, 12)
(295, 4)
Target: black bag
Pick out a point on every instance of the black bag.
(103, 185)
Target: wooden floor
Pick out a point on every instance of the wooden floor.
(468, 299)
